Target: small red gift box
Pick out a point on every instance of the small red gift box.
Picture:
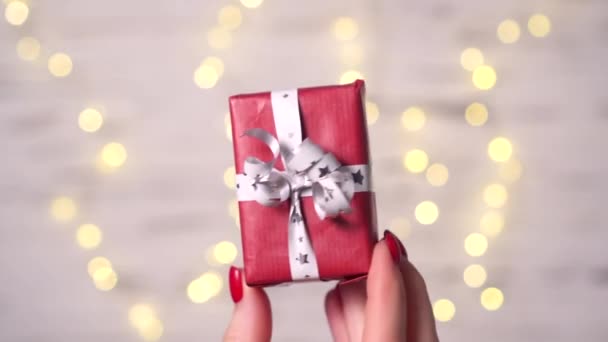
(277, 212)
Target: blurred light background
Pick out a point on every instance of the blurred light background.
(487, 122)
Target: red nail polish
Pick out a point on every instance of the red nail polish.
(403, 250)
(393, 245)
(236, 284)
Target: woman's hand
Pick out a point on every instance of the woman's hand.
(391, 304)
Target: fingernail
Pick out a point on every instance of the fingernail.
(236, 284)
(394, 246)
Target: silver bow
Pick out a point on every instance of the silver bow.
(308, 168)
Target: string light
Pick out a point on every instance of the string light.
(230, 17)
(539, 25)
(96, 264)
(105, 278)
(230, 177)
(415, 161)
(492, 223)
(90, 120)
(471, 58)
(88, 236)
(351, 54)
(413, 119)
(219, 38)
(205, 287)
(508, 31)
(492, 298)
(426, 212)
(437, 175)
(28, 49)
(495, 195)
(252, 3)
(475, 244)
(400, 226)
(510, 171)
(205, 76)
(63, 208)
(500, 149)
(144, 319)
(444, 310)
(475, 276)
(16, 13)
(113, 155)
(225, 252)
(60, 65)
(371, 112)
(484, 77)
(350, 77)
(345, 28)
(216, 63)
(153, 331)
(476, 114)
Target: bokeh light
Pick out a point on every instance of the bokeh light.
(105, 278)
(90, 120)
(415, 161)
(204, 287)
(228, 126)
(476, 114)
(492, 298)
(372, 113)
(492, 223)
(252, 3)
(495, 195)
(474, 276)
(88, 236)
(28, 48)
(205, 76)
(500, 149)
(400, 226)
(471, 58)
(225, 252)
(216, 63)
(508, 31)
(219, 38)
(345, 28)
(60, 65)
(230, 177)
(351, 54)
(511, 170)
(16, 12)
(97, 263)
(230, 17)
(475, 244)
(539, 25)
(350, 77)
(426, 212)
(153, 331)
(233, 208)
(484, 77)
(113, 155)
(63, 208)
(444, 310)
(141, 315)
(437, 174)
(413, 119)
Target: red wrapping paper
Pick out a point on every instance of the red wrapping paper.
(333, 117)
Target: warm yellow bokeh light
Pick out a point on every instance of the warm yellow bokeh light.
(492, 299)
(508, 31)
(495, 195)
(228, 126)
(16, 12)
(233, 208)
(230, 177)
(96, 264)
(539, 25)
(500, 149)
(471, 58)
(105, 278)
(511, 170)
(351, 54)
(350, 77)
(444, 310)
(88, 236)
(152, 331)
(492, 223)
(474, 276)
(60, 65)
(230, 17)
(205, 77)
(251, 3)
(345, 28)
(401, 227)
(141, 315)
(476, 114)
(475, 244)
(216, 63)
(90, 120)
(415, 161)
(372, 113)
(28, 48)
(413, 119)
(484, 77)
(205, 287)
(426, 212)
(437, 174)
(225, 252)
(63, 209)
(113, 155)
(219, 38)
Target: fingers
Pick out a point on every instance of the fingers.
(335, 316)
(251, 318)
(385, 313)
(420, 320)
(353, 299)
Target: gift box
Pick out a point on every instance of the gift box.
(307, 210)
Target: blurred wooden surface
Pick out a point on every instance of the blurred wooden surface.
(162, 210)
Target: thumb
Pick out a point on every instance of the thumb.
(251, 318)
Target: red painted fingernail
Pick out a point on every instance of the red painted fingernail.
(236, 284)
(393, 245)
(403, 250)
